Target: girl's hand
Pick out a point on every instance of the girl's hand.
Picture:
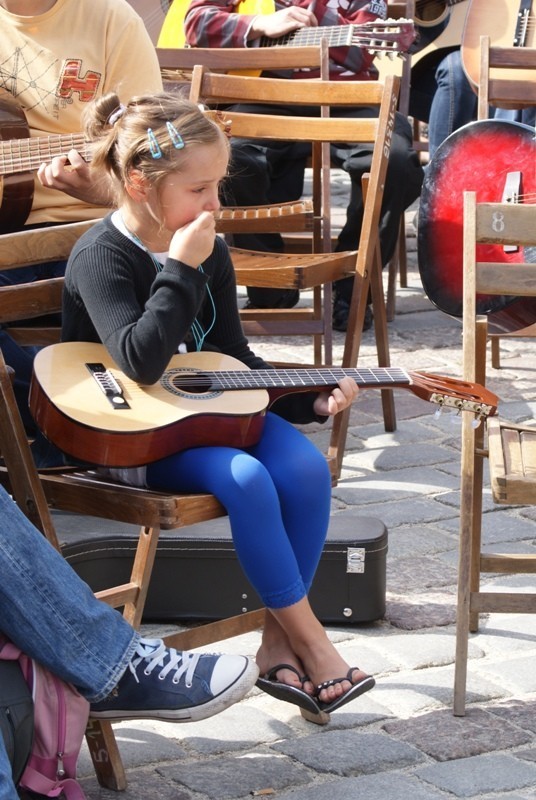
(281, 22)
(72, 175)
(327, 405)
(193, 243)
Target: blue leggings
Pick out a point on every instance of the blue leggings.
(277, 495)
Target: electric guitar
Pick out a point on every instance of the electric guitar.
(497, 160)
(91, 410)
(514, 26)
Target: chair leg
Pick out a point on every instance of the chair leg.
(495, 352)
(105, 755)
(382, 339)
(100, 736)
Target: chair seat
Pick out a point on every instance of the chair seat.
(291, 270)
(512, 461)
(109, 500)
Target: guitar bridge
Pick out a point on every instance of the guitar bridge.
(512, 189)
(108, 385)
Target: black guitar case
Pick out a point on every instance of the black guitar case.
(197, 575)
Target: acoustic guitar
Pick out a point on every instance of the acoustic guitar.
(514, 26)
(497, 160)
(91, 410)
(439, 26)
(379, 36)
(20, 157)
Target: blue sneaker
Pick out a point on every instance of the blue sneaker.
(163, 683)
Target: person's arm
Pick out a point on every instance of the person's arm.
(218, 24)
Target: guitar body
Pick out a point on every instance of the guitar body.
(478, 157)
(440, 27)
(500, 24)
(73, 412)
(16, 191)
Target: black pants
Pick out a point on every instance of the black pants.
(273, 172)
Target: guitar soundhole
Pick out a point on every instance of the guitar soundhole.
(188, 383)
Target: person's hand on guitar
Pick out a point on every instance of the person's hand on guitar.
(281, 22)
(71, 174)
(327, 404)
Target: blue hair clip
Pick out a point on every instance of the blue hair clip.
(153, 144)
(174, 135)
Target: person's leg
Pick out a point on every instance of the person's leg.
(54, 617)
(454, 103)
(262, 174)
(278, 498)
(7, 787)
(402, 186)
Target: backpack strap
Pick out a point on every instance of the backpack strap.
(37, 782)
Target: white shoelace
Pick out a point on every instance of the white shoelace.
(155, 653)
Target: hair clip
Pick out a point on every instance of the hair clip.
(174, 135)
(153, 144)
(116, 114)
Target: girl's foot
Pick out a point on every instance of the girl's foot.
(355, 683)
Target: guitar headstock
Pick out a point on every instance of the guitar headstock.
(453, 393)
(386, 36)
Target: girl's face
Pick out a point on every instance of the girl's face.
(183, 195)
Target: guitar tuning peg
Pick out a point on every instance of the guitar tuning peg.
(456, 419)
(475, 423)
(438, 412)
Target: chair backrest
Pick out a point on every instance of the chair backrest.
(507, 224)
(214, 88)
(176, 64)
(28, 301)
(507, 77)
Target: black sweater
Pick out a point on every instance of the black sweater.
(114, 294)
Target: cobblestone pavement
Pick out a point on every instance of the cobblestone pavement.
(400, 740)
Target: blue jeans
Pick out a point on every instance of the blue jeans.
(442, 97)
(54, 617)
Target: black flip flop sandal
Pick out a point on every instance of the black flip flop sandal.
(356, 690)
(285, 692)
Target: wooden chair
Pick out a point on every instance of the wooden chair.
(316, 270)
(83, 492)
(511, 448)
(507, 80)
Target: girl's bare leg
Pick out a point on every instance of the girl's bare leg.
(293, 635)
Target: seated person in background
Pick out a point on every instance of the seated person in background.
(59, 55)
(441, 96)
(53, 617)
(274, 174)
(153, 278)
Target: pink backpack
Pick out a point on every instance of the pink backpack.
(60, 719)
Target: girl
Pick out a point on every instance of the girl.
(153, 278)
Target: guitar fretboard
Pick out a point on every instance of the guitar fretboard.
(26, 155)
(291, 378)
(388, 35)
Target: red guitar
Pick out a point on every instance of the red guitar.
(497, 160)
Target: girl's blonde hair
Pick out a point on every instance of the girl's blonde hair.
(153, 134)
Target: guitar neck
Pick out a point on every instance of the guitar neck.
(294, 379)
(26, 155)
(337, 36)
(382, 35)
